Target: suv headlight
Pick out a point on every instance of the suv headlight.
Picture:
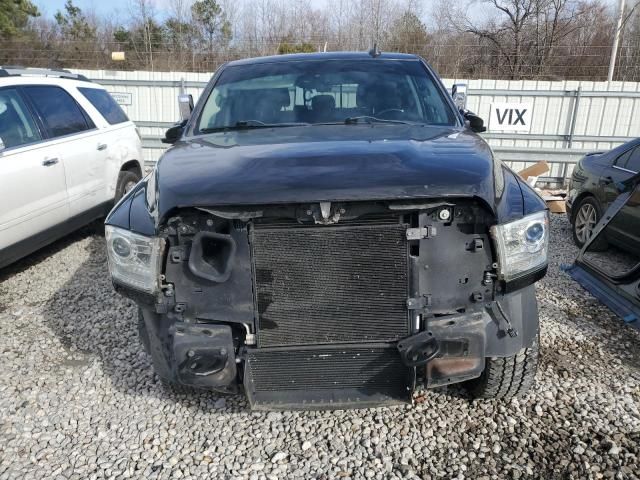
(522, 245)
(134, 259)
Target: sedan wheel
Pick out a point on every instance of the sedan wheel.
(585, 222)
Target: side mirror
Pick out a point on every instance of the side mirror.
(185, 105)
(476, 123)
(459, 95)
(173, 134)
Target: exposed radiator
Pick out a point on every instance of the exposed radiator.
(321, 377)
(330, 284)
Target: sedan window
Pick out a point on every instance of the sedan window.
(633, 161)
(621, 161)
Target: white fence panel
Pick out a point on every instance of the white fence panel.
(568, 118)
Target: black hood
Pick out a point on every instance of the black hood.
(325, 163)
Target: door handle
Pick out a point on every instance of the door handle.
(102, 146)
(47, 162)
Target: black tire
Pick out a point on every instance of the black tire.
(125, 179)
(507, 377)
(143, 335)
(587, 203)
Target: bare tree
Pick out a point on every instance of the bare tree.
(144, 12)
(521, 37)
(477, 39)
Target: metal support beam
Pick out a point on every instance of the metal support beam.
(574, 117)
(616, 40)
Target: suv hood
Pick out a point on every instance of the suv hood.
(325, 163)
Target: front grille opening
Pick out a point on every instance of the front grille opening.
(331, 284)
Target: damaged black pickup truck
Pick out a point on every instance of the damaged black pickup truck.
(328, 231)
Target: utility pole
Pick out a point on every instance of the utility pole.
(616, 40)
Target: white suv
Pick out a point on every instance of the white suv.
(67, 152)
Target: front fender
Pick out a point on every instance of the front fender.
(132, 212)
(509, 205)
(531, 201)
(517, 198)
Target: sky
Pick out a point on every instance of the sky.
(48, 8)
(120, 8)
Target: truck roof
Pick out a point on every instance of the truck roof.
(324, 56)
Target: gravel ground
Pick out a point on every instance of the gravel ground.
(78, 398)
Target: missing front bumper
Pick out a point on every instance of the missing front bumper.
(346, 375)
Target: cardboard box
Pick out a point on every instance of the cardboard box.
(531, 174)
(557, 206)
(555, 200)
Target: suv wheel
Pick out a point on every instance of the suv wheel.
(126, 181)
(587, 216)
(507, 377)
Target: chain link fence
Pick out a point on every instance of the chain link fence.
(467, 60)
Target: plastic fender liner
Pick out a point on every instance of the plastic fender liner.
(521, 308)
(465, 340)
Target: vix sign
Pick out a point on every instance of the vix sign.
(510, 117)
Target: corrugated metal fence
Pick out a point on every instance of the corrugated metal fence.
(568, 118)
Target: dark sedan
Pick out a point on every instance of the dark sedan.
(594, 185)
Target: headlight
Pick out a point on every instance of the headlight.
(522, 245)
(134, 260)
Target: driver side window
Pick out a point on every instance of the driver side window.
(17, 126)
(629, 160)
(212, 108)
(633, 162)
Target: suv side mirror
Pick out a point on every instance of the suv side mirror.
(173, 134)
(459, 95)
(476, 123)
(185, 105)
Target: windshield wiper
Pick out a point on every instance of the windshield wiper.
(250, 124)
(371, 119)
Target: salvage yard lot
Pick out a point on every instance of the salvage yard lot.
(78, 398)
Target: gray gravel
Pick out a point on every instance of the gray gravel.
(78, 398)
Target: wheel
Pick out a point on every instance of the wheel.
(507, 377)
(143, 335)
(588, 214)
(126, 181)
